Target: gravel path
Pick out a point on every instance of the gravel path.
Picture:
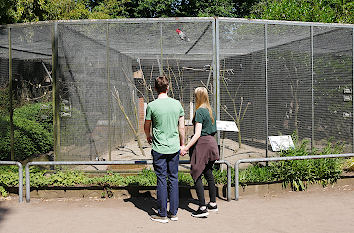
(320, 210)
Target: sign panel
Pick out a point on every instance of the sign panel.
(226, 126)
(279, 143)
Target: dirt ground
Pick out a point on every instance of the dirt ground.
(321, 210)
(231, 151)
(130, 151)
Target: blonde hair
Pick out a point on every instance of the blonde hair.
(202, 100)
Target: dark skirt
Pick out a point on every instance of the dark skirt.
(205, 150)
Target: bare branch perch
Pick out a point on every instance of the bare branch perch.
(115, 94)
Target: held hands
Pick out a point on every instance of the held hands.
(183, 150)
(149, 139)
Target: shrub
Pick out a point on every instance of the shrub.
(256, 174)
(8, 178)
(349, 165)
(41, 113)
(298, 173)
(33, 135)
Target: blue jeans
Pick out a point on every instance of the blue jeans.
(166, 165)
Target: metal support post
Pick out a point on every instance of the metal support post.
(12, 128)
(109, 95)
(56, 105)
(266, 82)
(312, 95)
(353, 90)
(216, 73)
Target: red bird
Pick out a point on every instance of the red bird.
(182, 35)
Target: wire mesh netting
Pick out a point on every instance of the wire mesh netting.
(289, 80)
(272, 78)
(242, 85)
(333, 85)
(107, 74)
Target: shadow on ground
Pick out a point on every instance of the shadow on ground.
(144, 201)
(3, 212)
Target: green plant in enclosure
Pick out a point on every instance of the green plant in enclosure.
(255, 174)
(8, 178)
(237, 113)
(38, 112)
(32, 132)
(349, 165)
(298, 173)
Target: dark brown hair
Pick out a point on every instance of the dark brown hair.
(161, 84)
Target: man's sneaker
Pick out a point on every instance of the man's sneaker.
(172, 217)
(200, 213)
(212, 208)
(159, 218)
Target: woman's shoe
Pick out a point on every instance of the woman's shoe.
(212, 208)
(200, 213)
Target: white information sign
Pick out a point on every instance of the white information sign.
(279, 143)
(226, 126)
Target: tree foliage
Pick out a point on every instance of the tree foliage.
(18, 11)
(327, 11)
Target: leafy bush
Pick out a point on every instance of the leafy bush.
(256, 174)
(33, 134)
(349, 165)
(41, 113)
(8, 178)
(298, 173)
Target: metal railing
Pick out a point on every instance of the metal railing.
(53, 163)
(281, 159)
(20, 177)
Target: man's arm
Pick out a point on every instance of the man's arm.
(181, 130)
(147, 126)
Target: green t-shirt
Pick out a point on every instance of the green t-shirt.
(202, 116)
(164, 114)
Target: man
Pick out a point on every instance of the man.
(166, 116)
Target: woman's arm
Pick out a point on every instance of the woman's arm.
(196, 136)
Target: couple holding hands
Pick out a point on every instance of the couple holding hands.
(164, 129)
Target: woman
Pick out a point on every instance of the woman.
(203, 151)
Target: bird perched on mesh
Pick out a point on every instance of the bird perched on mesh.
(182, 35)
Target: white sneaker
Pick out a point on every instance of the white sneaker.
(172, 217)
(158, 218)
